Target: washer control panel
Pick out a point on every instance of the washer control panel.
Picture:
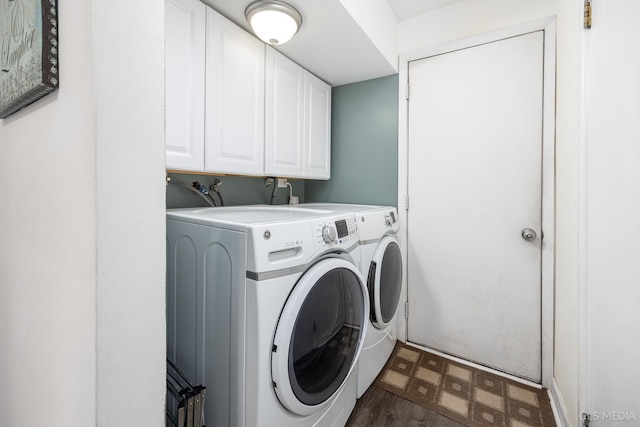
(336, 232)
(329, 234)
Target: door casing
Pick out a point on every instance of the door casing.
(548, 26)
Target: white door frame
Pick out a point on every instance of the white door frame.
(548, 25)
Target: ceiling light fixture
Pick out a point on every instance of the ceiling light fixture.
(273, 21)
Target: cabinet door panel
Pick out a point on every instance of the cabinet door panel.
(184, 93)
(234, 130)
(284, 116)
(317, 128)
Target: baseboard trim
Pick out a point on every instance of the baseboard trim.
(558, 406)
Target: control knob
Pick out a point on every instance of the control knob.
(328, 234)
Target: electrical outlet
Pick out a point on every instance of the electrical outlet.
(282, 182)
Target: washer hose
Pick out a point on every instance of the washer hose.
(210, 201)
(274, 191)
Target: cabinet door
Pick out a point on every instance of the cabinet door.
(284, 138)
(317, 139)
(234, 130)
(184, 87)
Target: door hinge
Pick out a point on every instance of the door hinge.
(407, 91)
(587, 14)
(406, 202)
(586, 419)
(406, 309)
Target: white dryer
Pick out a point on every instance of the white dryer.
(267, 308)
(381, 266)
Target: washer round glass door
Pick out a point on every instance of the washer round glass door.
(319, 335)
(384, 281)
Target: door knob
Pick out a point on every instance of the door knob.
(528, 234)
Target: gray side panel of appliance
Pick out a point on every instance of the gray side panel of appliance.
(181, 295)
(206, 270)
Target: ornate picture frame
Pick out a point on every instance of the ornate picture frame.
(28, 52)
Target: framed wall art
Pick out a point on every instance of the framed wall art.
(29, 61)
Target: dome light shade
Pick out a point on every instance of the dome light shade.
(274, 22)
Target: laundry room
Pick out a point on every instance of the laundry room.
(492, 144)
(366, 143)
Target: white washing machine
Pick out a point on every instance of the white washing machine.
(267, 308)
(381, 266)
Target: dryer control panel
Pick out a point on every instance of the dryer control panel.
(374, 224)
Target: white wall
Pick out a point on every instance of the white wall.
(48, 244)
(377, 20)
(613, 209)
(131, 244)
(469, 18)
(82, 229)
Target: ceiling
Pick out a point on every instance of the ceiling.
(331, 43)
(405, 9)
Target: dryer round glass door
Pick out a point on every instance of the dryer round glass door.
(384, 281)
(319, 335)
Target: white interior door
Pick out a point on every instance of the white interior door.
(613, 208)
(474, 184)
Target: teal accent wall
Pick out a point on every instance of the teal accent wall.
(235, 190)
(364, 145)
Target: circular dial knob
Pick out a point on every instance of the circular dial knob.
(328, 234)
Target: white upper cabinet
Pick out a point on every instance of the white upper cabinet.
(284, 138)
(235, 67)
(298, 121)
(232, 108)
(317, 133)
(184, 93)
